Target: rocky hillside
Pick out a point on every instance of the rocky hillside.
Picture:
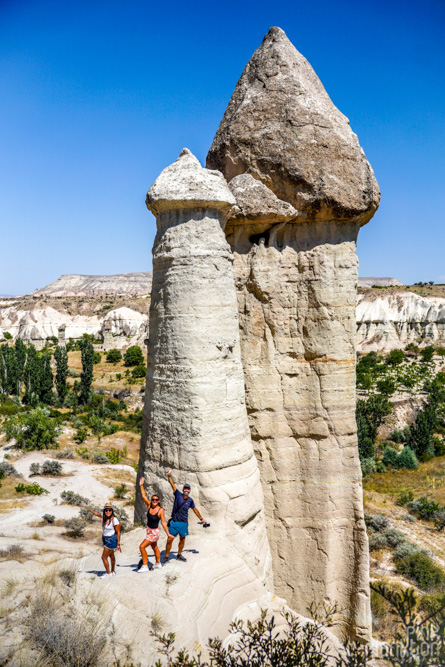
(79, 285)
(390, 319)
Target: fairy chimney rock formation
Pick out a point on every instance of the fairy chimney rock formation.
(195, 418)
(303, 188)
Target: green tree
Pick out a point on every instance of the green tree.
(32, 430)
(386, 386)
(114, 356)
(139, 371)
(86, 378)
(32, 377)
(427, 353)
(133, 356)
(97, 357)
(395, 357)
(61, 357)
(20, 356)
(10, 381)
(46, 379)
(370, 414)
(98, 426)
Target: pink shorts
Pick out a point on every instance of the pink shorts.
(153, 534)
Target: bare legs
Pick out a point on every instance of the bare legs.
(108, 554)
(169, 546)
(154, 545)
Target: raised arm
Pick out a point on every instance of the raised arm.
(170, 479)
(163, 521)
(95, 513)
(143, 494)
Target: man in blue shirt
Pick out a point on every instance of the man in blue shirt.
(179, 522)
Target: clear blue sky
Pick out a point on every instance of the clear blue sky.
(98, 97)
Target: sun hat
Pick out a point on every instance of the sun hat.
(108, 505)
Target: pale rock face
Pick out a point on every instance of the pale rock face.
(195, 418)
(81, 285)
(282, 127)
(390, 321)
(296, 279)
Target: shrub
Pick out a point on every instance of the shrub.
(7, 335)
(33, 489)
(32, 430)
(96, 357)
(369, 415)
(8, 469)
(120, 491)
(72, 498)
(80, 435)
(65, 454)
(377, 541)
(432, 603)
(53, 468)
(83, 452)
(404, 498)
(386, 386)
(400, 436)
(368, 467)
(376, 521)
(390, 457)
(133, 356)
(123, 517)
(421, 568)
(63, 636)
(13, 551)
(440, 351)
(407, 459)
(49, 518)
(100, 458)
(424, 507)
(114, 356)
(114, 455)
(403, 550)
(395, 357)
(427, 353)
(34, 468)
(439, 520)
(68, 576)
(393, 537)
(75, 527)
(139, 371)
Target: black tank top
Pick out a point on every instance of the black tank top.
(153, 519)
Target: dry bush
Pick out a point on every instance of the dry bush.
(64, 636)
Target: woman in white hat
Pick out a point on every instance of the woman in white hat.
(111, 538)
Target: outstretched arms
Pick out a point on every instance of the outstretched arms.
(95, 513)
(170, 479)
(143, 494)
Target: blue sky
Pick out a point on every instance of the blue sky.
(98, 97)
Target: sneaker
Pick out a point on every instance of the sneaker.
(144, 568)
(164, 561)
(157, 566)
(105, 575)
(181, 557)
(113, 574)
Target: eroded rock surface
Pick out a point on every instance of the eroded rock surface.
(195, 418)
(282, 127)
(296, 276)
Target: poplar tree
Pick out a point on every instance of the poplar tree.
(32, 377)
(46, 379)
(61, 357)
(20, 356)
(86, 377)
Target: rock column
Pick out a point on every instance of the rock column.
(195, 418)
(303, 188)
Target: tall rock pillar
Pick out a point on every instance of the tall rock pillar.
(195, 418)
(303, 188)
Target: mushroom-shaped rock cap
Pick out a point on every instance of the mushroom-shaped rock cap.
(186, 184)
(281, 126)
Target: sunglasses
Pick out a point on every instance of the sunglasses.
(106, 511)
(155, 498)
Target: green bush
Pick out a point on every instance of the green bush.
(424, 507)
(395, 357)
(404, 498)
(80, 435)
(100, 458)
(75, 527)
(8, 469)
(393, 537)
(407, 459)
(34, 469)
(420, 568)
(32, 430)
(114, 455)
(49, 518)
(133, 356)
(72, 498)
(427, 353)
(403, 550)
(368, 467)
(386, 386)
(139, 371)
(377, 541)
(96, 357)
(390, 457)
(7, 335)
(114, 356)
(120, 491)
(33, 489)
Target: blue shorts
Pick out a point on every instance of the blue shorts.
(110, 542)
(178, 527)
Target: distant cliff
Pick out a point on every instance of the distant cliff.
(80, 285)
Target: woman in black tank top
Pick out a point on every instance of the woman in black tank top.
(155, 515)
